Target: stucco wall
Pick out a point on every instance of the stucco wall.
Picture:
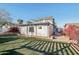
(23, 30)
(32, 33)
(43, 31)
(50, 30)
(37, 32)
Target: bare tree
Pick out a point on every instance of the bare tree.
(4, 16)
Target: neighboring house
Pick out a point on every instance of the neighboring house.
(43, 27)
(2, 28)
(5, 27)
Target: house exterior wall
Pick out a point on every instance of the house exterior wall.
(43, 31)
(23, 30)
(37, 32)
(50, 30)
(32, 33)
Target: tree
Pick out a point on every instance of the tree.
(20, 21)
(72, 31)
(4, 17)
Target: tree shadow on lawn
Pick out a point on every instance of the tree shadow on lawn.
(11, 52)
(7, 39)
(44, 52)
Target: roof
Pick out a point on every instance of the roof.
(35, 24)
(44, 18)
(76, 24)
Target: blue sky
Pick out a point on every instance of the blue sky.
(63, 13)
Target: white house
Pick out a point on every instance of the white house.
(43, 27)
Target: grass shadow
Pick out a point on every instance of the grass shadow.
(11, 52)
(7, 39)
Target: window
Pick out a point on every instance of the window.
(31, 29)
(40, 27)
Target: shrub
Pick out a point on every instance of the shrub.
(14, 30)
